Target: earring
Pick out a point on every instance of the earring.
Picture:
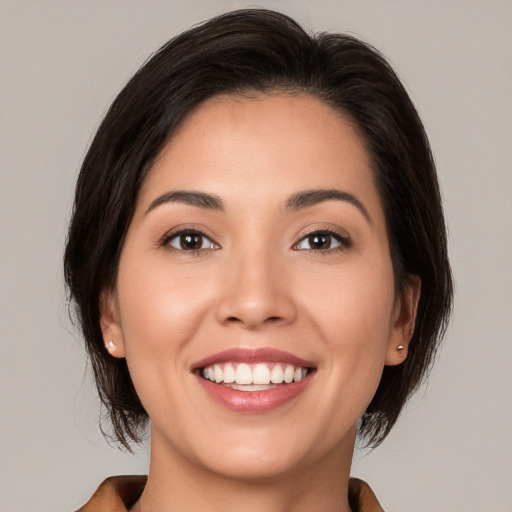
(400, 348)
(112, 346)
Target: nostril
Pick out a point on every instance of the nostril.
(270, 319)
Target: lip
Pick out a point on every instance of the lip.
(250, 355)
(253, 402)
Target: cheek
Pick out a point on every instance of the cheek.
(352, 311)
(159, 306)
(160, 314)
(160, 311)
(351, 299)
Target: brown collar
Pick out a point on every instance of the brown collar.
(119, 493)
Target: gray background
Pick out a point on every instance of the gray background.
(62, 63)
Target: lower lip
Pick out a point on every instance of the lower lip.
(253, 401)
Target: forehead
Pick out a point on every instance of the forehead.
(261, 147)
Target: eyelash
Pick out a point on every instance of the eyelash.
(343, 241)
(176, 235)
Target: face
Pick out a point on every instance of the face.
(255, 300)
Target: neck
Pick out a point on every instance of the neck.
(175, 484)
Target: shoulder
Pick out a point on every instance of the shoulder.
(361, 497)
(116, 494)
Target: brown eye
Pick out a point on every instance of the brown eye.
(319, 241)
(190, 241)
(323, 241)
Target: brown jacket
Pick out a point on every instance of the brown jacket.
(119, 493)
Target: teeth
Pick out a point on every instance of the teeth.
(288, 374)
(255, 377)
(277, 374)
(252, 387)
(229, 374)
(243, 374)
(261, 374)
(218, 373)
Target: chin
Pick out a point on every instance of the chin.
(253, 465)
(257, 455)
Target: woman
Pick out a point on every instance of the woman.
(258, 260)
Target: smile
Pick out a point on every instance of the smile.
(253, 380)
(253, 377)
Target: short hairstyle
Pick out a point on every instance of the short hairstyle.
(245, 52)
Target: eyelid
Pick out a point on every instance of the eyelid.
(337, 233)
(187, 228)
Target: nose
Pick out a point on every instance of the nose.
(255, 293)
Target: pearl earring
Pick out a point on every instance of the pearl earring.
(400, 348)
(112, 346)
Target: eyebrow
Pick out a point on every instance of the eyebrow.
(312, 197)
(296, 202)
(199, 199)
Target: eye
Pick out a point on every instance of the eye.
(322, 241)
(190, 241)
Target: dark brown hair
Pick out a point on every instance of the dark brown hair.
(260, 51)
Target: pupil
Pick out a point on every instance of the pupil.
(320, 241)
(190, 241)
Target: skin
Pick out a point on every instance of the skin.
(254, 283)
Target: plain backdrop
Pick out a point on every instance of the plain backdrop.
(63, 62)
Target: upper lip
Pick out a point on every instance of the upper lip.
(252, 355)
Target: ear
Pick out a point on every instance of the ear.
(110, 324)
(404, 319)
